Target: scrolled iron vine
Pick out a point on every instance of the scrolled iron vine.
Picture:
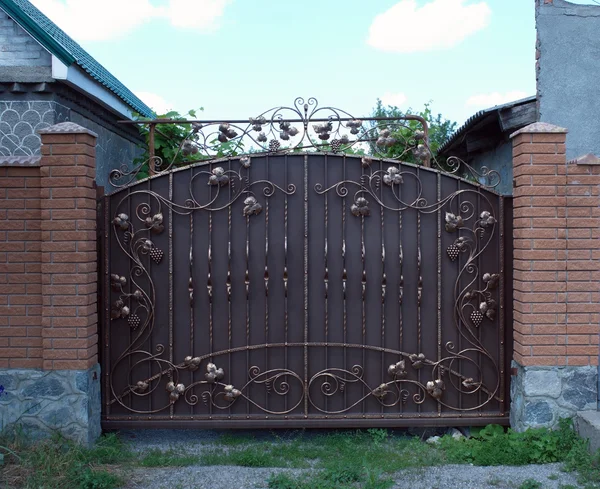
(304, 125)
(396, 389)
(136, 298)
(472, 305)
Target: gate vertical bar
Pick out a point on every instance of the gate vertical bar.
(326, 281)
(191, 296)
(501, 298)
(247, 283)
(172, 408)
(209, 291)
(383, 282)
(419, 285)
(344, 273)
(306, 286)
(266, 279)
(439, 275)
(106, 320)
(363, 281)
(285, 269)
(400, 290)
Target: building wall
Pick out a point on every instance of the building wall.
(21, 120)
(24, 112)
(112, 151)
(568, 67)
(21, 57)
(498, 159)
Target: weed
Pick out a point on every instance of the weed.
(377, 435)
(230, 439)
(553, 477)
(283, 481)
(493, 446)
(530, 484)
(586, 465)
(494, 481)
(168, 458)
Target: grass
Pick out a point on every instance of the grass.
(340, 459)
(530, 484)
(168, 458)
(61, 464)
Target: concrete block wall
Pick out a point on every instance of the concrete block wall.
(17, 48)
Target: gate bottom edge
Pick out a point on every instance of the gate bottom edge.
(181, 423)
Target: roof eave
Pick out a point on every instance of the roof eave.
(475, 118)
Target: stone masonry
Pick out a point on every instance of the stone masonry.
(41, 402)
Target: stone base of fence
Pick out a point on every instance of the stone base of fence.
(38, 403)
(49, 372)
(542, 395)
(556, 280)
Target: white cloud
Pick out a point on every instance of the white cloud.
(155, 102)
(394, 99)
(92, 20)
(486, 100)
(196, 14)
(87, 20)
(439, 24)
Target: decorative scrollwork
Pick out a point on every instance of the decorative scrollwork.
(302, 126)
(331, 382)
(474, 229)
(136, 294)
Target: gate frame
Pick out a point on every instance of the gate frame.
(457, 419)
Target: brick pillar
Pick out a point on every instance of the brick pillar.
(49, 373)
(556, 299)
(69, 257)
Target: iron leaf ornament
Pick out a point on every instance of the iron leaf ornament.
(453, 222)
(218, 177)
(251, 206)
(360, 207)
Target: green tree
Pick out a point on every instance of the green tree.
(403, 132)
(169, 142)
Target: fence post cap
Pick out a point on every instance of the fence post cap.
(587, 159)
(540, 128)
(67, 128)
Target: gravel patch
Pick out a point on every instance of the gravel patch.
(442, 477)
(213, 477)
(471, 477)
(196, 442)
(192, 442)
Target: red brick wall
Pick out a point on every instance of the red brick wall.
(48, 257)
(20, 266)
(556, 273)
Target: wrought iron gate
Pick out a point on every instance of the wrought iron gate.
(312, 289)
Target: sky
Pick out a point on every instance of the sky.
(238, 58)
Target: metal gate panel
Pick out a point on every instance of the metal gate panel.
(303, 290)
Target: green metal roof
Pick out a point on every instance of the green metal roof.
(55, 40)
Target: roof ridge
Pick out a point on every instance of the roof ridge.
(64, 47)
